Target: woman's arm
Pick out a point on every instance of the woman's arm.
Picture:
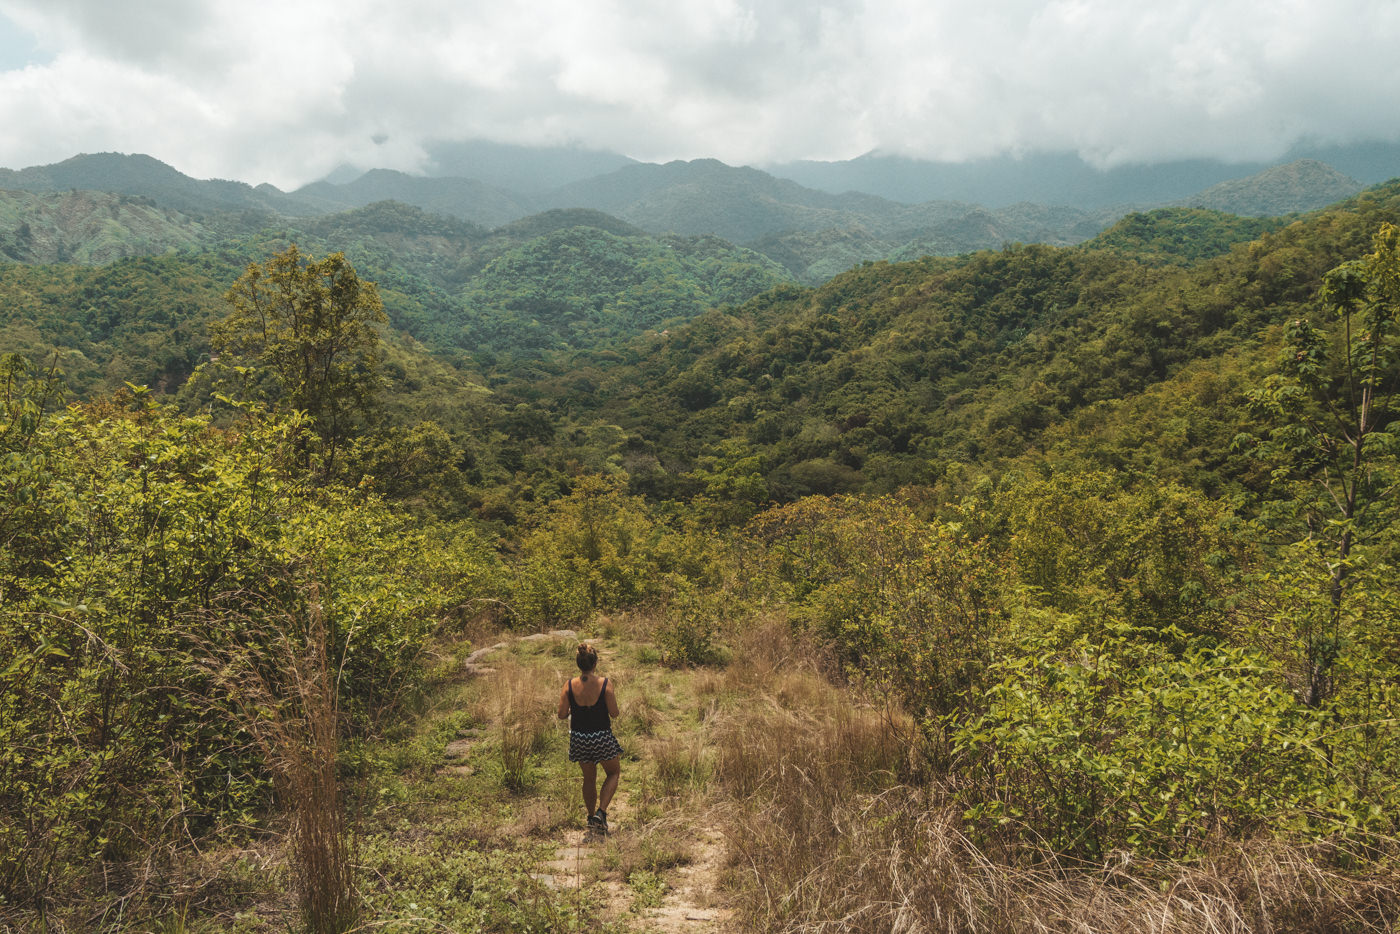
(612, 699)
(564, 702)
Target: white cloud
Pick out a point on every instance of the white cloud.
(284, 91)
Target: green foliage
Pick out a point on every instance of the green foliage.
(733, 486)
(1180, 236)
(143, 321)
(596, 548)
(687, 635)
(1328, 416)
(581, 286)
(143, 544)
(311, 325)
(1158, 555)
(1156, 745)
(913, 604)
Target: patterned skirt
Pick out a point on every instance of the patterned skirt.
(593, 747)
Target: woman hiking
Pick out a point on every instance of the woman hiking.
(590, 702)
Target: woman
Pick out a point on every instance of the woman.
(590, 702)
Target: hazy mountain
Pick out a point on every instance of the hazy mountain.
(1370, 162)
(1065, 178)
(1304, 185)
(150, 178)
(813, 233)
(526, 169)
(463, 198)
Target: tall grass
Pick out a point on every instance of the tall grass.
(831, 827)
(892, 862)
(523, 709)
(279, 675)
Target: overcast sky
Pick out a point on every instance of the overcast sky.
(285, 90)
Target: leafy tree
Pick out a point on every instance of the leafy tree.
(311, 325)
(1331, 410)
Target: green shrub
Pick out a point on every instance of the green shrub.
(145, 553)
(688, 633)
(1150, 744)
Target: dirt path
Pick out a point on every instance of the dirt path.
(689, 901)
(658, 869)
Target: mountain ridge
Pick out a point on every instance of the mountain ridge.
(813, 233)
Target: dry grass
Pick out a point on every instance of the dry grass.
(680, 766)
(642, 717)
(286, 692)
(824, 834)
(893, 863)
(656, 846)
(524, 720)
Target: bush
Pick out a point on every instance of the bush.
(1157, 746)
(141, 545)
(687, 634)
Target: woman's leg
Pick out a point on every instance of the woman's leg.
(590, 785)
(612, 767)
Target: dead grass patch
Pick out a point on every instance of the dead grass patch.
(680, 765)
(823, 835)
(658, 845)
(642, 717)
(524, 721)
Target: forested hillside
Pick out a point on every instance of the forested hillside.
(889, 371)
(452, 285)
(1284, 189)
(1036, 587)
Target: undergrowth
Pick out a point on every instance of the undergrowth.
(831, 826)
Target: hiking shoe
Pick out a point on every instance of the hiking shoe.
(599, 821)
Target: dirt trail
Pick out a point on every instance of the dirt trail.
(688, 896)
(689, 902)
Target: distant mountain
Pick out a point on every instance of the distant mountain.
(1370, 162)
(464, 198)
(526, 169)
(150, 178)
(1304, 185)
(1065, 178)
(813, 233)
(796, 225)
(708, 197)
(1047, 178)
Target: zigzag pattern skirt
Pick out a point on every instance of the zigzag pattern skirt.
(593, 747)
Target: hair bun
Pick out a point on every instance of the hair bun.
(587, 656)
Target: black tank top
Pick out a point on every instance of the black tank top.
(592, 719)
